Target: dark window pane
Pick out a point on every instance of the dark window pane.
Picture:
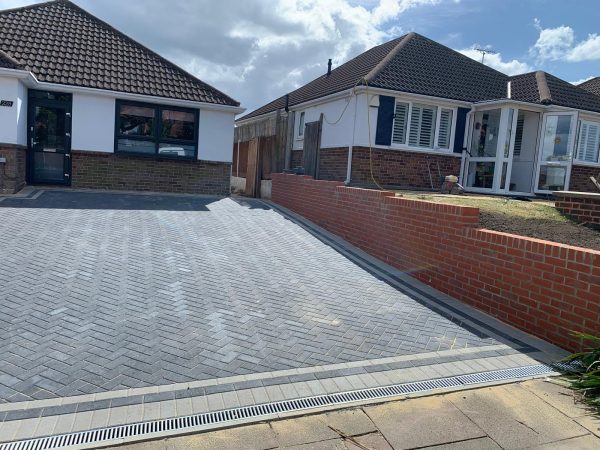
(136, 120)
(185, 151)
(49, 129)
(178, 125)
(135, 146)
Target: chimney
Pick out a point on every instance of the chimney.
(329, 67)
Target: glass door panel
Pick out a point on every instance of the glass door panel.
(49, 126)
(481, 165)
(556, 152)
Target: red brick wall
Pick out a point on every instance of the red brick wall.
(544, 288)
(584, 208)
(95, 170)
(333, 163)
(402, 169)
(580, 178)
(12, 172)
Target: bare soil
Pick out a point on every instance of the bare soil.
(535, 218)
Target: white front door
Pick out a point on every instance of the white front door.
(555, 152)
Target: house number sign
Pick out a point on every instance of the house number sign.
(7, 103)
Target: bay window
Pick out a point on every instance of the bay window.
(164, 131)
(422, 126)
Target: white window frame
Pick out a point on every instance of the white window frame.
(301, 125)
(436, 146)
(576, 159)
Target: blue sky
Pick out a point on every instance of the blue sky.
(257, 50)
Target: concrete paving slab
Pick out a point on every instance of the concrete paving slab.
(372, 441)
(303, 430)
(578, 443)
(473, 444)
(331, 444)
(428, 421)
(352, 422)
(557, 395)
(252, 437)
(515, 417)
(590, 423)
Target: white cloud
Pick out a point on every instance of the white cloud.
(495, 61)
(588, 50)
(256, 50)
(559, 44)
(583, 80)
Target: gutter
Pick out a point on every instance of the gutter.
(32, 82)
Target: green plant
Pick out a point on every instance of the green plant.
(583, 370)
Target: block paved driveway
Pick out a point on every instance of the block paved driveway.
(103, 291)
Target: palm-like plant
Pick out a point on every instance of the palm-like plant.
(583, 370)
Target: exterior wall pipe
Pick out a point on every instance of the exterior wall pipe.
(349, 165)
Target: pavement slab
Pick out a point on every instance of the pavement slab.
(429, 421)
(514, 417)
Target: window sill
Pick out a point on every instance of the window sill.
(586, 163)
(406, 148)
(157, 156)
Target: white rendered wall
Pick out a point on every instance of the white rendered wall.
(215, 136)
(337, 127)
(93, 123)
(9, 116)
(21, 110)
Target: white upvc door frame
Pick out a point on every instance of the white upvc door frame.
(568, 164)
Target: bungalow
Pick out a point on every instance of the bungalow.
(410, 111)
(83, 105)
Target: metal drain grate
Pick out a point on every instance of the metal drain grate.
(256, 411)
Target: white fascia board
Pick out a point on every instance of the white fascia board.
(409, 95)
(32, 82)
(255, 118)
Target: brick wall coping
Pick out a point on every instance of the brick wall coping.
(575, 194)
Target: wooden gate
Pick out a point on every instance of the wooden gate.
(312, 143)
(253, 175)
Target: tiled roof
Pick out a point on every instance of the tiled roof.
(341, 78)
(7, 62)
(544, 88)
(61, 43)
(592, 85)
(411, 63)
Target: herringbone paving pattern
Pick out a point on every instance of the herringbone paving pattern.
(109, 291)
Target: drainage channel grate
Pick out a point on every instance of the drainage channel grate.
(231, 415)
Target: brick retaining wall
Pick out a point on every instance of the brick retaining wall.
(544, 288)
(95, 170)
(13, 171)
(584, 207)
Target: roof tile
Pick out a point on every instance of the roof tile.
(59, 42)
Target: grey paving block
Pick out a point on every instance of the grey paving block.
(102, 291)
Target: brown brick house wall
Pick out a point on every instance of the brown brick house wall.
(580, 178)
(297, 158)
(333, 163)
(402, 168)
(13, 171)
(95, 170)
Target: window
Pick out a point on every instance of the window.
(156, 130)
(589, 141)
(301, 125)
(415, 125)
(422, 125)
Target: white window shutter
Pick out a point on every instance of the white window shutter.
(422, 126)
(589, 141)
(445, 128)
(400, 120)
